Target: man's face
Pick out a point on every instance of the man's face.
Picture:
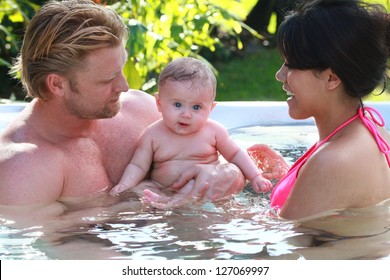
(94, 90)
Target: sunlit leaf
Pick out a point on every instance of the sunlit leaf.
(16, 17)
(132, 76)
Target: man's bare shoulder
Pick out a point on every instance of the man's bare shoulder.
(154, 133)
(29, 165)
(139, 107)
(27, 173)
(138, 100)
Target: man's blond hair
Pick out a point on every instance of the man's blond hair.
(60, 36)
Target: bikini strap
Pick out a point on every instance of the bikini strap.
(370, 122)
(338, 129)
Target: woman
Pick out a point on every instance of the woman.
(335, 54)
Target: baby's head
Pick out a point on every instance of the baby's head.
(188, 69)
(186, 94)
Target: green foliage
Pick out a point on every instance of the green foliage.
(163, 30)
(251, 77)
(13, 17)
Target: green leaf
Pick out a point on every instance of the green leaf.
(132, 75)
(4, 62)
(136, 40)
(16, 17)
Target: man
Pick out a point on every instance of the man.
(79, 132)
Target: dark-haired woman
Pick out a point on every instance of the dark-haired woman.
(335, 53)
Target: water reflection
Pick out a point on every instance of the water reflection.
(243, 227)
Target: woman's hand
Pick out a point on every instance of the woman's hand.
(269, 161)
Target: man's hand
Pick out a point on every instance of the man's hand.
(205, 182)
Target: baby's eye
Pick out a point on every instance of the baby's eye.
(196, 107)
(177, 104)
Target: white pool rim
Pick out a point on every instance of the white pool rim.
(233, 114)
(247, 113)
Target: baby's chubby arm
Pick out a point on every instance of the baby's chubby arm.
(235, 154)
(139, 166)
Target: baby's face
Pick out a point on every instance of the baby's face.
(185, 109)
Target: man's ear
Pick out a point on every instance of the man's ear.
(158, 101)
(55, 84)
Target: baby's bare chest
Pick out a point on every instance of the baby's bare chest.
(190, 147)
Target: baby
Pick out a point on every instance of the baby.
(185, 136)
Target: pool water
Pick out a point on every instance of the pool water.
(242, 227)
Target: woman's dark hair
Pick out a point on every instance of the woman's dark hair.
(349, 37)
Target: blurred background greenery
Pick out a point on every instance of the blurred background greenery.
(211, 30)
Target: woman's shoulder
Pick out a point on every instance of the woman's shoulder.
(343, 152)
(348, 161)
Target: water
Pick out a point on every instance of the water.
(243, 227)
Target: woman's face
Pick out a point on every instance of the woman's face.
(304, 89)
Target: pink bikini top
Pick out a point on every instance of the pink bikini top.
(282, 190)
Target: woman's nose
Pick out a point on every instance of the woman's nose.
(281, 74)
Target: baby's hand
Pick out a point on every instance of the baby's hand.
(118, 189)
(260, 184)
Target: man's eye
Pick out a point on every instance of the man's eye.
(177, 104)
(196, 107)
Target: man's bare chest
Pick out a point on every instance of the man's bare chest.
(84, 168)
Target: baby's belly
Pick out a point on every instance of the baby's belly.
(169, 172)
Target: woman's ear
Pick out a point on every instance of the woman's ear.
(55, 84)
(333, 81)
